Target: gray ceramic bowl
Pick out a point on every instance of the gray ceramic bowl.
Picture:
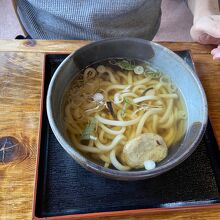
(160, 57)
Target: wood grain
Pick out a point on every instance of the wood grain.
(171, 214)
(208, 71)
(20, 92)
(66, 46)
(21, 63)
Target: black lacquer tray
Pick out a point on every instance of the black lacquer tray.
(65, 188)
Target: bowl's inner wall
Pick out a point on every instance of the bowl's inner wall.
(119, 48)
(163, 59)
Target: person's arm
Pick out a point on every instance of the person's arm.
(206, 23)
(200, 8)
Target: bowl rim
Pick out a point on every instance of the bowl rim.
(113, 173)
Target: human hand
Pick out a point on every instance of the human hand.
(206, 30)
(216, 53)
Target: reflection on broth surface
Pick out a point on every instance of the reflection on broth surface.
(124, 114)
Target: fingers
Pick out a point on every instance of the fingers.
(208, 39)
(216, 53)
(203, 38)
(210, 25)
(206, 30)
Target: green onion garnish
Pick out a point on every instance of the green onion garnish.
(123, 64)
(89, 129)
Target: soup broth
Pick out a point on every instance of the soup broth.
(124, 114)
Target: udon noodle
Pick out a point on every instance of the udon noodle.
(111, 105)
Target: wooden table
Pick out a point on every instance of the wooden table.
(21, 66)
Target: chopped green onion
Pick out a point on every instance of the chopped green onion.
(123, 64)
(89, 129)
(139, 70)
(127, 102)
(130, 102)
(152, 74)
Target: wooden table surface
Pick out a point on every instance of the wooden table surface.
(21, 66)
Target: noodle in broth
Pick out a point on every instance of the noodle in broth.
(120, 112)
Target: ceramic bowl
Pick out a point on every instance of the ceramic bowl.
(158, 56)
